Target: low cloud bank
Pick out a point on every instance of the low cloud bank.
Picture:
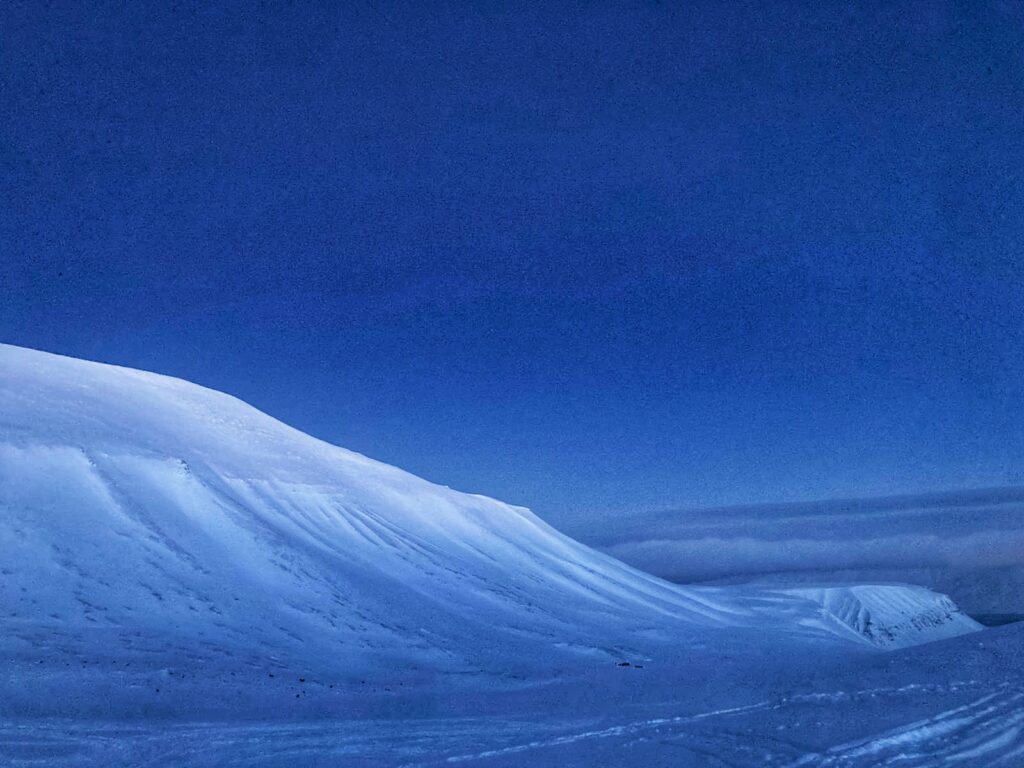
(968, 545)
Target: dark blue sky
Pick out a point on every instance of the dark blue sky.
(580, 257)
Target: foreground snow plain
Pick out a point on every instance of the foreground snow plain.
(186, 581)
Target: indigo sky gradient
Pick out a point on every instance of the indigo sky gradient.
(579, 257)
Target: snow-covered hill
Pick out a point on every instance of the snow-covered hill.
(150, 526)
(889, 616)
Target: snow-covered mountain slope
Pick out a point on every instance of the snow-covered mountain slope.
(146, 522)
(890, 616)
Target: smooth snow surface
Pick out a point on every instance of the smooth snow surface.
(172, 555)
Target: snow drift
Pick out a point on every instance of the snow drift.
(146, 522)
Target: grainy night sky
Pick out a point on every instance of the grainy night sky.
(589, 257)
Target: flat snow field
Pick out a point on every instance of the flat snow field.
(953, 703)
(185, 581)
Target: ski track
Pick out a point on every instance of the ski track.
(989, 727)
(987, 731)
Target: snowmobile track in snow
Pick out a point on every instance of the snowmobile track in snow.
(988, 731)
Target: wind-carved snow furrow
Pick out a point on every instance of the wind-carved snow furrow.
(136, 512)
